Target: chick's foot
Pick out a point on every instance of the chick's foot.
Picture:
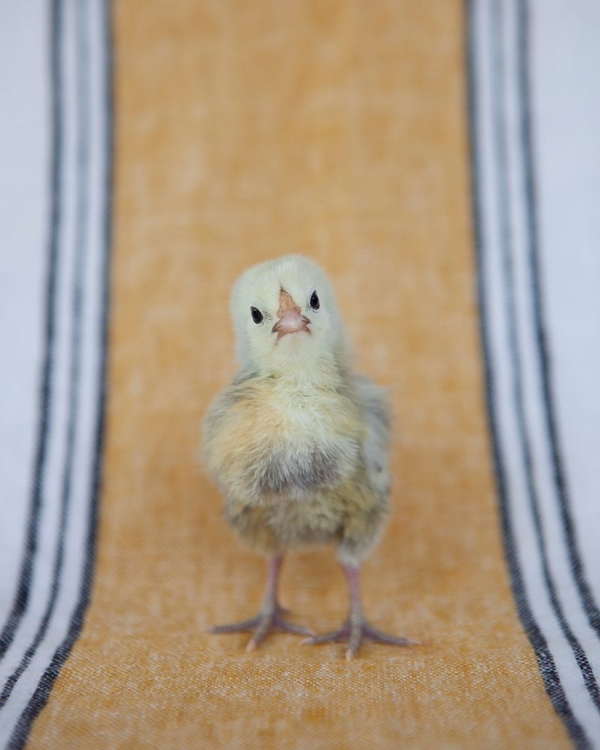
(356, 631)
(271, 616)
(357, 628)
(266, 621)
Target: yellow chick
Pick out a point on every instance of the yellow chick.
(298, 444)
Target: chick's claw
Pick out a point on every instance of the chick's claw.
(265, 622)
(354, 633)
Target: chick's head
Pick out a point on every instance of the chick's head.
(286, 318)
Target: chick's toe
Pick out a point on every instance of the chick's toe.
(266, 621)
(354, 632)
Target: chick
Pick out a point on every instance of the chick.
(298, 444)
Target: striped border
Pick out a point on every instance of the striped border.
(505, 124)
(93, 77)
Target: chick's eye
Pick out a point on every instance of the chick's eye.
(257, 316)
(314, 301)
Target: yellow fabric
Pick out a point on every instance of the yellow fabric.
(246, 130)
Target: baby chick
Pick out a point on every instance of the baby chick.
(298, 444)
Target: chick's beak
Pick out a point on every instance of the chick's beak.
(289, 317)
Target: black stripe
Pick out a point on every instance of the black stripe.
(81, 247)
(560, 482)
(543, 655)
(515, 353)
(23, 592)
(44, 688)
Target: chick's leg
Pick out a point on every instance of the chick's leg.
(357, 628)
(270, 617)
